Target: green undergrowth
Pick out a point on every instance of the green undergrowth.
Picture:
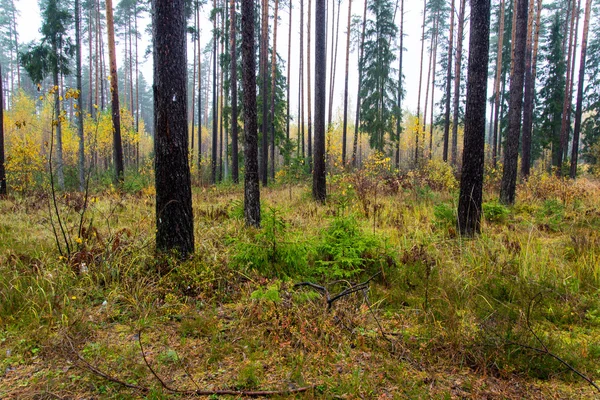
(443, 317)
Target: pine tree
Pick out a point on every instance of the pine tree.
(319, 189)
(378, 85)
(2, 168)
(174, 215)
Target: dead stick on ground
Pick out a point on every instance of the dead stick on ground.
(197, 392)
(330, 300)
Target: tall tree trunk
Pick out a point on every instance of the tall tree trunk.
(193, 110)
(91, 64)
(234, 112)
(457, 74)
(497, 94)
(399, 99)
(530, 76)
(345, 123)
(580, 88)
(273, 86)
(114, 88)
(220, 86)
(572, 81)
(471, 183)
(287, 120)
(174, 215)
(3, 190)
(215, 127)
(301, 85)
(418, 126)
(360, 76)
(564, 132)
(251, 184)
(334, 65)
(264, 62)
(433, 88)
(511, 153)
(309, 93)
(57, 112)
(319, 180)
(81, 152)
(199, 159)
(449, 83)
(97, 57)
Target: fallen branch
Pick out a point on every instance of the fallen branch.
(330, 300)
(197, 392)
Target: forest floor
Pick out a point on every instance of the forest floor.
(442, 316)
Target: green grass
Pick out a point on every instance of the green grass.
(454, 309)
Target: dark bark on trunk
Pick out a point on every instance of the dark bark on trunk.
(529, 97)
(309, 94)
(580, 88)
(273, 85)
(448, 84)
(251, 184)
(81, 153)
(358, 99)
(3, 190)
(457, 73)
(471, 183)
(511, 152)
(345, 123)
(497, 93)
(174, 215)
(234, 111)
(319, 182)
(114, 85)
(215, 127)
(264, 61)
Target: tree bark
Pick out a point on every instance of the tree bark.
(497, 94)
(457, 74)
(215, 127)
(234, 111)
(449, 84)
(3, 189)
(471, 183)
(400, 78)
(287, 120)
(199, 159)
(345, 123)
(580, 88)
(251, 184)
(360, 76)
(81, 152)
(319, 181)
(418, 126)
(264, 62)
(309, 96)
(273, 86)
(334, 65)
(114, 88)
(174, 214)
(511, 153)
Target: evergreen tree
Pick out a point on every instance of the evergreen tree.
(379, 87)
(552, 94)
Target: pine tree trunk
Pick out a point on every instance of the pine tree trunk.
(3, 190)
(580, 89)
(511, 154)
(199, 159)
(528, 105)
(418, 125)
(91, 65)
(215, 127)
(497, 94)
(301, 85)
(174, 215)
(57, 112)
(319, 180)
(345, 123)
(251, 181)
(193, 110)
(398, 125)
(572, 83)
(234, 111)
(457, 75)
(221, 103)
(471, 183)
(81, 153)
(334, 65)
(564, 133)
(264, 61)
(449, 83)
(287, 120)
(309, 96)
(433, 88)
(114, 83)
(358, 99)
(273, 87)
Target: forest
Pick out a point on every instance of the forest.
(305, 199)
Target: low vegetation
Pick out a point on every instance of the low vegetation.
(442, 317)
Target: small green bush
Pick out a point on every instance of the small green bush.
(495, 212)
